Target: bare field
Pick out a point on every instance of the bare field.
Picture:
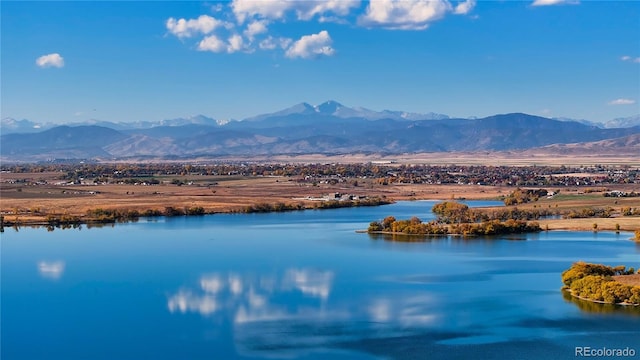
(225, 196)
(627, 223)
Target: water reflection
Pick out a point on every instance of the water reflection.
(405, 237)
(51, 269)
(598, 308)
(311, 283)
(298, 302)
(248, 295)
(411, 238)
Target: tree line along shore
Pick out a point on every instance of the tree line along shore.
(109, 216)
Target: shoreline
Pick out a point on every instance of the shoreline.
(567, 290)
(364, 231)
(40, 221)
(66, 221)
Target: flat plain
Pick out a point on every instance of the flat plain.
(28, 198)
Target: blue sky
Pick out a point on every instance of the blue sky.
(130, 61)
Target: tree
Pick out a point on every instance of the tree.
(374, 226)
(387, 222)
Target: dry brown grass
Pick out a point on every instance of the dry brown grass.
(604, 224)
(226, 196)
(633, 280)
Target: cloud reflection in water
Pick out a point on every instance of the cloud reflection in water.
(51, 269)
(294, 310)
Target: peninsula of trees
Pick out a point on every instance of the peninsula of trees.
(456, 218)
(601, 283)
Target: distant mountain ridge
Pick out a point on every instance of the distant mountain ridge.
(624, 122)
(334, 108)
(10, 125)
(328, 128)
(328, 108)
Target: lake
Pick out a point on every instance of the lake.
(302, 285)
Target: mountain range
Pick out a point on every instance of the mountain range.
(328, 128)
(10, 125)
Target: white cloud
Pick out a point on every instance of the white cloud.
(308, 9)
(310, 46)
(255, 28)
(271, 43)
(405, 15)
(235, 43)
(628, 58)
(258, 15)
(269, 9)
(622, 101)
(204, 24)
(554, 2)
(215, 44)
(212, 43)
(277, 9)
(50, 60)
(217, 7)
(465, 7)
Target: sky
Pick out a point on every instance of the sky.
(125, 61)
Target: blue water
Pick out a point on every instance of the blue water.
(301, 285)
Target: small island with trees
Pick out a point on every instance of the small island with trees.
(456, 218)
(603, 284)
